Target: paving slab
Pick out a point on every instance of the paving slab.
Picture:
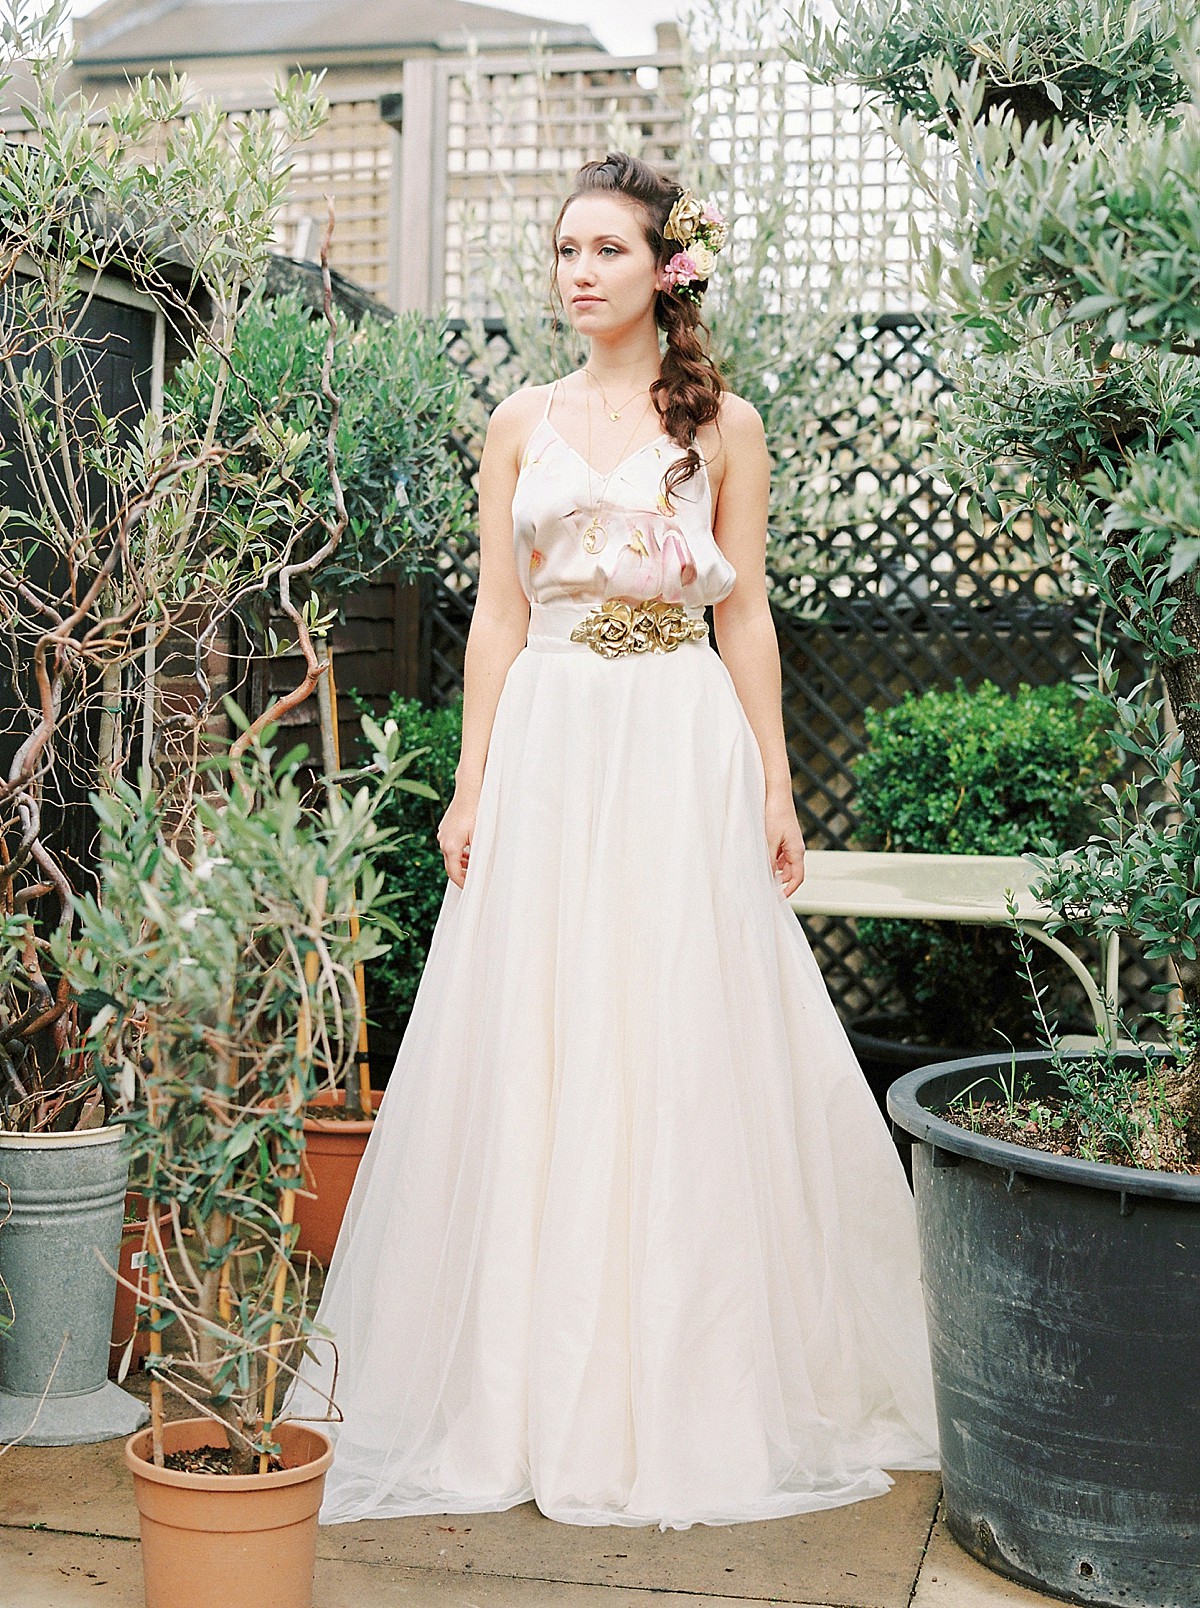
(40, 1569)
(951, 1578)
(868, 1553)
(43, 1570)
(80, 1488)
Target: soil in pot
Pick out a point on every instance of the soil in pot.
(229, 1541)
(1131, 1120)
(209, 1460)
(333, 1148)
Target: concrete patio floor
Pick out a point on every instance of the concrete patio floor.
(68, 1536)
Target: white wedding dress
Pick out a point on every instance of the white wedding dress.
(630, 1237)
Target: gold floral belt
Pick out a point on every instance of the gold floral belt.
(655, 626)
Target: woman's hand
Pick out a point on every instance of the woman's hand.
(454, 833)
(785, 841)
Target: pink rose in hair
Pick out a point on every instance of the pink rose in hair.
(681, 270)
(711, 213)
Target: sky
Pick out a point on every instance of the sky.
(626, 27)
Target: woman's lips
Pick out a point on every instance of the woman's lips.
(581, 301)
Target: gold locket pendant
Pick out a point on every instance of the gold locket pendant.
(595, 538)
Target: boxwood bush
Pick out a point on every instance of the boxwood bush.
(976, 771)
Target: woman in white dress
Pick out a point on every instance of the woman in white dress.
(630, 1237)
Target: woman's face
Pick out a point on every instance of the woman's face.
(607, 275)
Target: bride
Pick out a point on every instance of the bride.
(630, 1238)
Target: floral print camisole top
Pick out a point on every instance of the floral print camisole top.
(642, 549)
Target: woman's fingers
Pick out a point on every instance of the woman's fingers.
(455, 862)
(789, 864)
(454, 840)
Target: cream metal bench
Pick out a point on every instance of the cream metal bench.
(951, 887)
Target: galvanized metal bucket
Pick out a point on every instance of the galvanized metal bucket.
(62, 1199)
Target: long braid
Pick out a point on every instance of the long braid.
(691, 384)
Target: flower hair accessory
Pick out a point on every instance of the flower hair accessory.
(700, 231)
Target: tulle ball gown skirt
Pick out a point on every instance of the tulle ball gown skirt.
(630, 1237)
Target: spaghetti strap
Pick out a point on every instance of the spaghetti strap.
(529, 438)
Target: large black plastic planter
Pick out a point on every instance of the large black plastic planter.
(1063, 1302)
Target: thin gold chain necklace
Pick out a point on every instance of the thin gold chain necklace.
(594, 536)
(613, 413)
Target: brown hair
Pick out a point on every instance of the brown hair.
(691, 383)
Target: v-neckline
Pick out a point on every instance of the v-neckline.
(628, 458)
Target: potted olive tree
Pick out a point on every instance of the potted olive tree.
(397, 491)
(113, 550)
(219, 981)
(1058, 1196)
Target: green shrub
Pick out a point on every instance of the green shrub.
(973, 772)
(400, 401)
(411, 865)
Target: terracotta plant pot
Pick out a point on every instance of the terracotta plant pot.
(124, 1325)
(229, 1540)
(333, 1149)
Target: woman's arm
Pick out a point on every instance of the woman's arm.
(745, 631)
(498, 631)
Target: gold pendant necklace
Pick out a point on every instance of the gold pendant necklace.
(594, 535)
(613, 413)
(594, 538)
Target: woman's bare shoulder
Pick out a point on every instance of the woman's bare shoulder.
(736, 432)
(739, 420)
(519, 404)
(512, 419)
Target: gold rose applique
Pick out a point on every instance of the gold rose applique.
(618, 627)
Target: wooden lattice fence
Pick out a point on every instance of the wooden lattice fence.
(350, 156)
(490, 144)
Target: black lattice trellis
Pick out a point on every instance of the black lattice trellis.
(913, 599)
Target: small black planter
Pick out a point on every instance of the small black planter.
(1063, 1302)
(384, 1045)
(885, 1052)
